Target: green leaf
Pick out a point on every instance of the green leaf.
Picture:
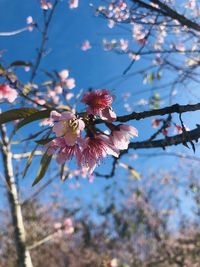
(44, 163)
(42, 114)
(20, 63)
(29, 161)
(15, 114)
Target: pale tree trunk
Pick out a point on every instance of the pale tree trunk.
(23, 254)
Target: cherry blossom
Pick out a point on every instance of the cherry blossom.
(156, 122)
(65, 80)
(68, 226)
(45, 5)
(95, 148)
(67, 125)
(91, 148)
(86, 45)
(30, 22)
(122, 134)
(7, 93)
(99, 103)
(62, 151)
(73, 4)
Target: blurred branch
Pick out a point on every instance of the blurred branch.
(25, 155)
(167, 11)
(43, 43)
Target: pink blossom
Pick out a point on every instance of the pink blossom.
(68, 126)
(73, 4)
(70, 83)
(95, 148)
(65, 81)
(64, 74)
(45, 5)
(57, 225)
(62, 151)
(111, 23)
(30, 22)
(8, 93)
(139, 34)
(86, 45)
(156, 122)
(122, 134)
(99, 102)
(108, 114)
(68, 226)
(123, 44)
(69, 96)
(58, 89)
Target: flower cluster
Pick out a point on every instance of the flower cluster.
(77, 135)
(116, 11)
(61, 85)
(118, 45)
(7, 93)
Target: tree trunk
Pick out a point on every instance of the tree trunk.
(23, 254)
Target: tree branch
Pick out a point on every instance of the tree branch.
(162, 111)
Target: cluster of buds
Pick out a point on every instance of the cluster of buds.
(117, 11)
(76, 135)
(178, 129)
(119, 45)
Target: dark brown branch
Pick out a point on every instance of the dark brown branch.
(159, 112)
(192, 135)
(167, 11)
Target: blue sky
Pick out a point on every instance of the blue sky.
(93, 68)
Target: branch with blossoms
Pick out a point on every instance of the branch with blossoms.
(76, 134)
(73, 134)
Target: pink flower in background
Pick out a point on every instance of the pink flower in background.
(69, 96)
(63, 74)
(30, 22)
(68, 226)
(99, 103)
(114, 263)
(45, 5)
(70, 83)
(123, 44)
(122, 134)
(58, 89)
(139, 34)
(65, 81)
(73, 4)
(95, 148)
(86, 45)
(179, 129)
(156, 122)
(67, 125)
(7, 93)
